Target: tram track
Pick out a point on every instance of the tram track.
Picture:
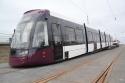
(101, 78)
(62, 72)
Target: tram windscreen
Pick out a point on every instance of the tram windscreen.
(21, 36)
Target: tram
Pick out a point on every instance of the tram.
(41, 38)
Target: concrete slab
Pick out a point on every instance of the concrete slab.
(118, 71)
(88, 73)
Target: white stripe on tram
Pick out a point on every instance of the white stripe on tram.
(74, 50)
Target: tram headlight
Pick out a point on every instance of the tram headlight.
(24, 53)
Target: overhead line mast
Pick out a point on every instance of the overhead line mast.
(115, 18)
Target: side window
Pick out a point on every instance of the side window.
(98, 40)
(90, 36)
(79, 36)
(56, 33)
(69, 35)
(40, 34)
(93, 37)
(103, 39)
(97, 37)
(107, 38)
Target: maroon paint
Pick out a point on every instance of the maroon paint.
(17, 61)
(42, 56)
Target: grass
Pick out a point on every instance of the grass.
(4, 54)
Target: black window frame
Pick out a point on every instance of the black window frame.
(90, 37)
(67, 40)
(81, 35)
(59, 34)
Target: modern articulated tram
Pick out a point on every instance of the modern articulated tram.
(41, 38)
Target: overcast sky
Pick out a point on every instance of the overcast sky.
(106, 15)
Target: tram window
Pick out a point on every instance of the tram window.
(90, 37)
(69, 35)
(98, 37)
(106, 38)
(103, 39)
(56, 33)
(79, 36)
(95, 37)
(40, 34)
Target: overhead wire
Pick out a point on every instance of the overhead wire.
(85, 13)
(78, 7)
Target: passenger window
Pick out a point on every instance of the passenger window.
(56, 33)
(93, 37)
(103, 38)
(90, 37)
(69, 35)
(79, 36)
(97, 35)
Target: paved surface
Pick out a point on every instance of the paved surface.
(82, 69)
(88, 73)
(118, 70)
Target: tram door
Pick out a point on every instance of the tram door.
(57, 42)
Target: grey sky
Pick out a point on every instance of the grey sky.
(101, 13)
